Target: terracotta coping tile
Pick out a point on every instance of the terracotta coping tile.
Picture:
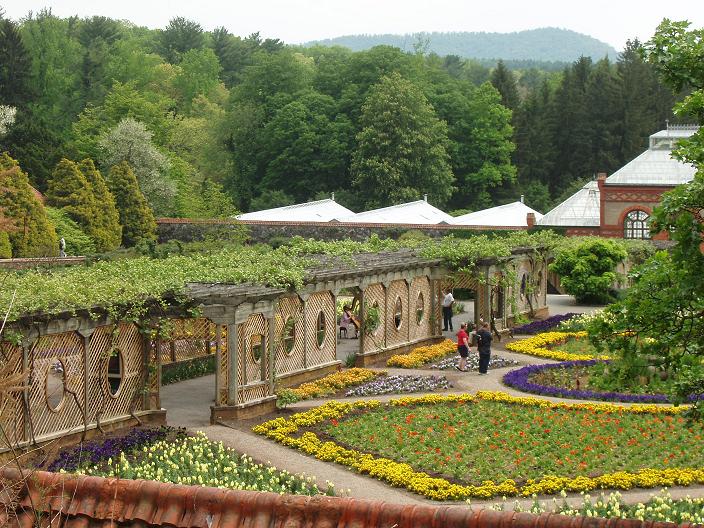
(67, 501)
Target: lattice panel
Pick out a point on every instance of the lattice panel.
(482, 298)
(249, 371)
(224, 371)
(395, 336)
(375, 295)
(522, 287)
(438, 307)
(252, 392)
(11, 412)
(108, 345)
(325, 353)
(154, 374)
(420, 286)
(293, 360)
(460, 280)
(190, 338)
(52, 358)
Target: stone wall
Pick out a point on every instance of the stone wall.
(187, 230)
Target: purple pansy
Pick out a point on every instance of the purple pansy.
(544, 325)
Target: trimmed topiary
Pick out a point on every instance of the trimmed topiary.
(136, 217)
(23, 216)
(69, 190)
(105, 229)
(5, 247)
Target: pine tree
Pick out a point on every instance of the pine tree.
(15, 66)
(105, 229)
(70, 191)
(572, 138)
(504, 81)
(604, 97)
(135, 215)
(22, 214)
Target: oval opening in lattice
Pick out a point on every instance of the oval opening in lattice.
(398, 313)
(420, 308)
(256, 347)
(115, 372)
(320, 329)
(55, 385)
(289, 335)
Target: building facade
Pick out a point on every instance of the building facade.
(620, 205)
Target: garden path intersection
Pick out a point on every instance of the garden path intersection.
(187, 403)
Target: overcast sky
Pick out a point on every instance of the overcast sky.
(295, 21)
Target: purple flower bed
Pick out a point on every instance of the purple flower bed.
(519, 379)
(93, 453)
(537, 327)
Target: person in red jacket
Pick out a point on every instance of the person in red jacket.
(462, 347)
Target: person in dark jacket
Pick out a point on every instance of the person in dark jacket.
(484, 347)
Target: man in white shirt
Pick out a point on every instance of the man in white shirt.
(447, 303)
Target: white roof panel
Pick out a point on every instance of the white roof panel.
(418, 212)
(653, 167)
(579, 210)
(509, 215)
(319, 211)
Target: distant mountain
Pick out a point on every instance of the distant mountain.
(544, 44)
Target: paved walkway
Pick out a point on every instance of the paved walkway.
(188, 404)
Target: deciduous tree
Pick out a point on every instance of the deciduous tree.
(130, 141)
(401, 147)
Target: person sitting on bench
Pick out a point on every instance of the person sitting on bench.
(346, 321)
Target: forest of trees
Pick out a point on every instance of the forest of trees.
(208, 122)
(547, 44)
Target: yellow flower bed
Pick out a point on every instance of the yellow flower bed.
(421, 355)
(335, 382)
(402, 475)
(537, 346)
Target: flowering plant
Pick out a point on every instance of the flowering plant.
(537, 346)
(421, 355)
(420, 430)
(535, 327)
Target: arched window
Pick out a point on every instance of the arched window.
(635, 225)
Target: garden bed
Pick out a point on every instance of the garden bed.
(543, 325)
(330, 385)
(492, 444)
(496, 362)
(170, 455)
(400, 385)
(661, 507)
(573, 346)
(571, 379)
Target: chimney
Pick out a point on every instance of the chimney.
(600, 179)
(425, 197)
(332, 196)
(522, 198)
(530, 220)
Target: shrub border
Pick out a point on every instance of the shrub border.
(402, 475)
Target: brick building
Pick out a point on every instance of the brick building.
(620, 205)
